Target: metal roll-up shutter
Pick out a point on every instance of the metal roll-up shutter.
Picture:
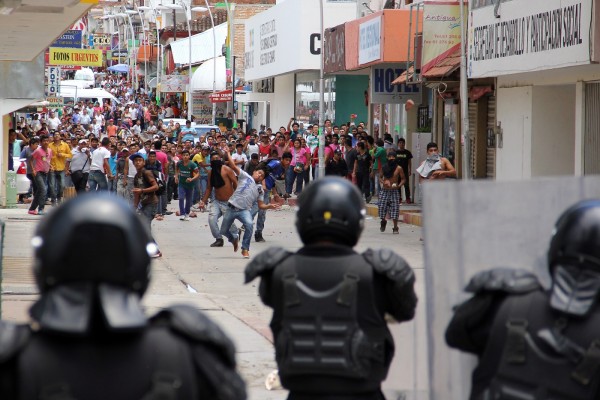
(491, 150)
(591, 135)
(473, 114)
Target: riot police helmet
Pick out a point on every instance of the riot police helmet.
(92, 247)
(330, 209)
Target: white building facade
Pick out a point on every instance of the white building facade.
(544, 57)
(282, 60)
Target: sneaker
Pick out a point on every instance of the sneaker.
(236, 243)
(184, 217)
(195, 208)
(395, 231)
(408, 201)
(157, 255)
(383, 225)
(41, 212)
(168, 212)
(259, 238)
(368, 199)
(245, 254)
(32, 212)
(217, 243)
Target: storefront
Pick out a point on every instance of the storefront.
(541, 54)
(282, 60)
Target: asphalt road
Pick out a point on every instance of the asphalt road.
(212, 279)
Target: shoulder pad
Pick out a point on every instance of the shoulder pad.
(390, 264)
(265, 261)
(12, 339)
(509, 280)
(197, 327)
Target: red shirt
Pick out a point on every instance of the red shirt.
(164, 160)
(41, 159)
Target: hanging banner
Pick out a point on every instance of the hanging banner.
(174, 83)
(53, 74)
(70, 39)
(201, 108)
(441, 31)
(102, 41)
(80, 57)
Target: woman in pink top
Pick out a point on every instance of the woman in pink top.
(298, 168)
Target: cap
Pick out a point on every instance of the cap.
(205, 146)
(124, 149)
(82, 141)
(337, 151)
(134, 156)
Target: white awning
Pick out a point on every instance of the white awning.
(202, 46)
(202, 80)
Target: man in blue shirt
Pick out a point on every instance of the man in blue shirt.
(275, 172)
(187, 133)
(112, 163)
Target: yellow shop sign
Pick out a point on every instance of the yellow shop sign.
(79, 57)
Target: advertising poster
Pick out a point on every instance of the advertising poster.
(441, 31)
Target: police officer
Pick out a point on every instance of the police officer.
(329, 302)
(89, 337)
(532, 343)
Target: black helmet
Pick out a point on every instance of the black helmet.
(92, 244)
(330, 208)
(574, 258)
(576, 236)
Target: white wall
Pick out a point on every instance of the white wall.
(514, 112)
(553, 134)
(282, 108)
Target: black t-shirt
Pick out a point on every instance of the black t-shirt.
(350, 157)
(364, 162)
(403, 157)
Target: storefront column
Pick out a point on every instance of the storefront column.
(579, 127)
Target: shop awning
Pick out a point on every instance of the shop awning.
(147, 53)
(202, 46)
(202, 79)
(443, 67)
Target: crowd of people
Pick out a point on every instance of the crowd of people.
(90, 146)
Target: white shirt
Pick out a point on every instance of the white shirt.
(237, 157)
(53, 123)
(98, 157)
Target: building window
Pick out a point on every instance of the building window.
(308, 95)
(451, 109)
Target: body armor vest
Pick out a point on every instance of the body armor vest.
(541, 354)
(321, 332)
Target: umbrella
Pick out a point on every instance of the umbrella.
(119, 68)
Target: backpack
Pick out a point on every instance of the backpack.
(160, 181)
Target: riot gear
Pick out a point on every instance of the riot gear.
(330, 208)
(574, 259)
(329, 302)
(537, 344)
(92, 264)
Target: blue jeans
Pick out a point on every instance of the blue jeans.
(56, 185)
(217, 209)
(291, 177)
(245, 217)
(185, 199)
(97, 180)
(112, 185)
(262, 214)
(40, 185)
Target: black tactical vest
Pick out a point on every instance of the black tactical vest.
(540, 354)
(330, 336)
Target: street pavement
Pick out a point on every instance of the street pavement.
(211, 279)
